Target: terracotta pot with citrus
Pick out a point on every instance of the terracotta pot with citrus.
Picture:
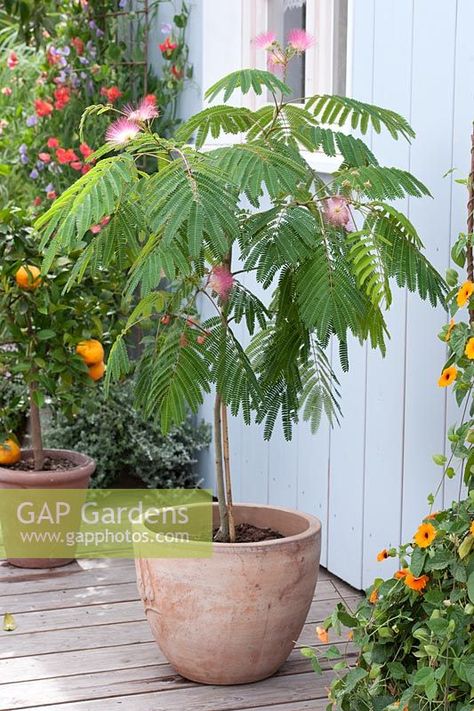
(49, 351)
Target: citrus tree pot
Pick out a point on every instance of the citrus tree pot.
(235, 617)
(77, 477)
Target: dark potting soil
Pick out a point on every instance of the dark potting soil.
(50, 465)
(246, 533)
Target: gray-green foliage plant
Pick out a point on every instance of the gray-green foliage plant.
(327, 252)
(124, 444)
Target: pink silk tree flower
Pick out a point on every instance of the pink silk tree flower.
(145, 111)
(122, 131)
(337, 213)
(276, 63)
(221, 281)
(300, 40)
(265, 40)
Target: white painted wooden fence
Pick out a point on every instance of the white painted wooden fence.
(368, 480)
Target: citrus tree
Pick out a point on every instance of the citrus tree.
(327, 252)
(41, 328)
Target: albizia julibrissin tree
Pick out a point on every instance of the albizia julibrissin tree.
(326, 251)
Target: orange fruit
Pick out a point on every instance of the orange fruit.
(97, 370)
(90, 351)
(28, 277)
(10, 452)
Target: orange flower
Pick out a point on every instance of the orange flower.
(450, 330)
(383, 555)
(448, 376)
(469, 350)
(401, 573)
(431, 516)
(425, 535)
(350, 635)
(464, 293)
(322, 635)
(471, 530)
(414, 583)
(374, 596)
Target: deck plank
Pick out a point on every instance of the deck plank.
(82, 644)
(303, 687)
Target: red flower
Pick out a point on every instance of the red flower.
(150, 99)
(177, 73)
(111, 94)
(37, 201)
(65, 155)
(45, 157)
(85, 150)
(85, 169)
(76, 165)
(62, 96)
(167, 47)
(43, 108)
(51, 195)
(105, 220)
(52, 57)
(78, 45)
(12, 60)
(53, 143)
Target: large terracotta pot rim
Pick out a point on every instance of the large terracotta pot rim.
(310, 524)
(50, 477)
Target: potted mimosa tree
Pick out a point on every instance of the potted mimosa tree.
(325, 251)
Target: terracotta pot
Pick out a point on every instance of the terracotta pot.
(235, 617)
(77, 477)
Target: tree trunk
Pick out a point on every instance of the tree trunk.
(36, 436)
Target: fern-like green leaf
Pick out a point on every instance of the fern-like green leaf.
(339, 110)
(380, 183)
(245, 80)
(215, 120)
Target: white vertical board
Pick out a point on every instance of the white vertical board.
(463, 116)
(368, 481)
(347, 453)
(432, 116)
(386, 376)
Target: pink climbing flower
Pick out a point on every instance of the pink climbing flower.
(121, 131)
(145, 111)
(12, 60)
(337, 213)
(221, 281)
(95, 229)
(300, 40)
(265, 40)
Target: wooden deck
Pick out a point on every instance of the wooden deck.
(82, 644)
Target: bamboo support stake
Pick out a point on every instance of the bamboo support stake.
(228, 482)
(221, 498)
